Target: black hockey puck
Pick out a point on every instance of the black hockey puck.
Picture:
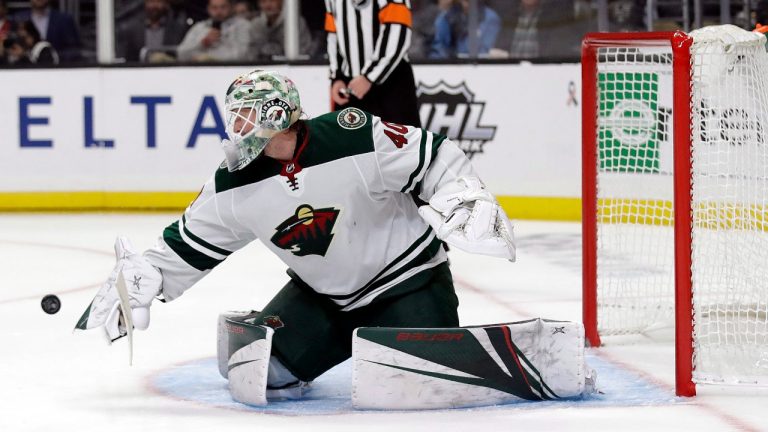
(50, 304)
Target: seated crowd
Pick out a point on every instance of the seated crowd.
(38, 35)
(231, 31)
(253, 30)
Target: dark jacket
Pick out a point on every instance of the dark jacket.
(131, 36)
(62, 33)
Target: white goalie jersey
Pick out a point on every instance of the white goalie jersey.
(340, 214)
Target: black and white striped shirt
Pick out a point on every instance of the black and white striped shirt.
(367, 37)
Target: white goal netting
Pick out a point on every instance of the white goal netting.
(636, 257)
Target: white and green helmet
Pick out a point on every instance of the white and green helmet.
(259, 105)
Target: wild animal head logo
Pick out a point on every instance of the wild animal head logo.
(273, 321)
(351, 119)
(276, 113)
(307, 232)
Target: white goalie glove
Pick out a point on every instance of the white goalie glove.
(465, 215)
(141, 283)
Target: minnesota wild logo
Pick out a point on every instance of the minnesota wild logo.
(308, 232)
(276, 113)
(351, 119)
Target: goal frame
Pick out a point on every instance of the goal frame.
(680, 44)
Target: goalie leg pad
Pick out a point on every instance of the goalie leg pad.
(474, 366)
(222, 338)
(249, 347)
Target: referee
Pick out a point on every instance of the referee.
(368, 41)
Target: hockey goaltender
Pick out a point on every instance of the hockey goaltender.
(368, 273)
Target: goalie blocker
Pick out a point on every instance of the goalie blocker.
(471, 366)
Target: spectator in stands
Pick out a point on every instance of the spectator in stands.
(244, 9)
(313, 12)
(188, 11)
(151, 36)
(5, 23)
(13, 51)
(267, 33)
(452, 30)
(38, 51)
(222, 37)
(626, 15)
(543, 29)
(5, 27)
(525, 41)
(54, 26)
(425, 13)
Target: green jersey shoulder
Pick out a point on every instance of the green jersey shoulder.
(331, 136)
(342, 133)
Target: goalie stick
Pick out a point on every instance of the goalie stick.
(125, 312)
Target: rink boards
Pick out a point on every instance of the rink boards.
(147, 138)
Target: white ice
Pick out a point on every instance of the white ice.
(52, 379)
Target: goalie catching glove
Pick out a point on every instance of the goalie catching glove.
(142, 282)
(465, 215)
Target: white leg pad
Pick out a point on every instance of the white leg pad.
(222, 339)
(462, 367)
(248, 364)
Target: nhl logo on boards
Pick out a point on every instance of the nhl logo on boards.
(453, 111)
(276, 112)
(351, 119)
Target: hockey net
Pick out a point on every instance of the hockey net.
(676, 196)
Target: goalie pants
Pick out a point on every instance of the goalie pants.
(312, 335)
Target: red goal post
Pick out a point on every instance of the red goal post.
(680, 44)
(675, 197)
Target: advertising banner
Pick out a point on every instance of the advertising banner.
(158, 130)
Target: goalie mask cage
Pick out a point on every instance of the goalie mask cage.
(675, 196)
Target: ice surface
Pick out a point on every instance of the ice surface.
(51, 379)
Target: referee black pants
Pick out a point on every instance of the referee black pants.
(394, 100)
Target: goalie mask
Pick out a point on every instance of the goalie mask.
(259, 105)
